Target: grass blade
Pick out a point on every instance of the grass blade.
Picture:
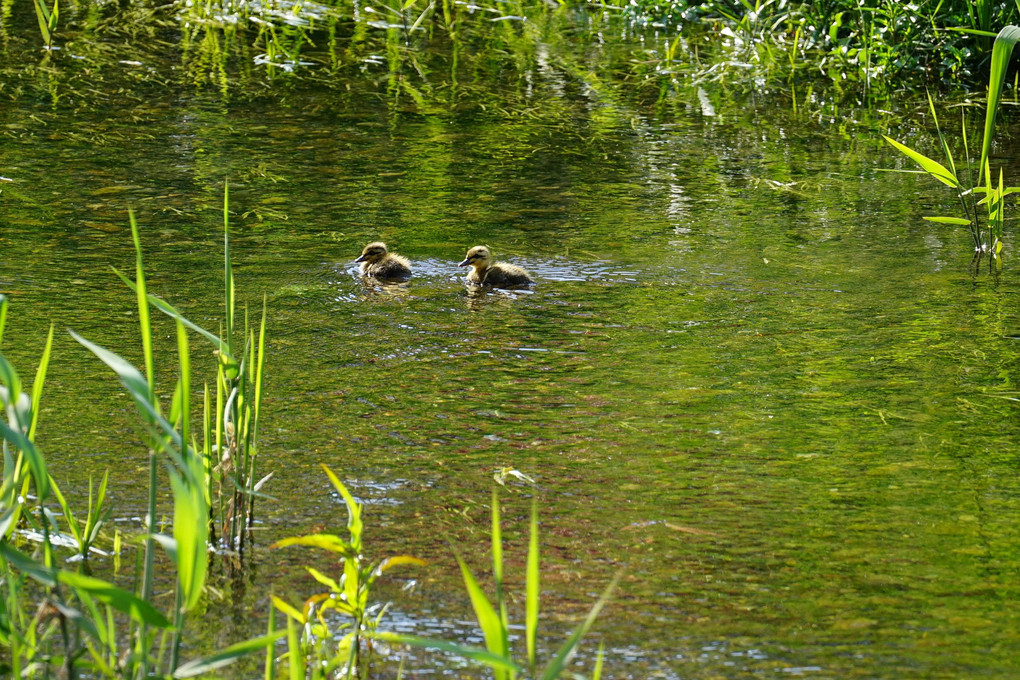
(228, 272)
(493, 661)
(42, 13)
(139, 610)
(3, 315)
(37, 384)
(329, 542)
(932, 167)
(354, 524)
(567, 650)
(27, 566)
(532, 589)
(144, 322)
(497, 573)
(227, 656)
(1002, 49)
(488, 619)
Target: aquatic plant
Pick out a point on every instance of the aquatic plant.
(318, 651)
(75, 628)
(69, 623)
(85, 534)
(869, 43)
(988, 238)
(47, 19)
(230, 444)
(493, 618)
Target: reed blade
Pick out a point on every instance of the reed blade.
(532, 589)
(37, 384)
(569, 648)
(1002, 49)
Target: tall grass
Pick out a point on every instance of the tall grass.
(987, 237)
(322, 650)
(79, 628)
(494, 621)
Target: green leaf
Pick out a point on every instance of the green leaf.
(399, 561)
(227, 656)
(323, 579)
(354, 525)
(3, 315)
(19, 410)
(1002, 49)
(9, 377)
(932, 167)
(596, 673)
(29, 567)
(228, 273)
(191, 528)
(497, 573)
(532, 588)
(567, 650)
(488, 619)
(948, 220)
(494, 661)
(288, 610)
(37, 384)
(144, 324)
(329, 542)
(139, 610)
(42, 13)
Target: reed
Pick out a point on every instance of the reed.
(78, 628)
(987, 238)
(493, 618)
(47, 19)
(322, 651)
(75, 619)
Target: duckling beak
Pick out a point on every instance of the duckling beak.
(465, 263)
(361, 258)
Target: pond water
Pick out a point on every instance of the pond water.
(749, 376)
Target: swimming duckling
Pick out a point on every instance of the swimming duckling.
(378, 262)
(498, 274)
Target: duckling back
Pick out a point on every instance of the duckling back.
(391, 267)
(501, 275)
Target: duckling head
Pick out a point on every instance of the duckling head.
(478, 257)
(373, 252)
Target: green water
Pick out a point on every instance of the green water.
(749, 376)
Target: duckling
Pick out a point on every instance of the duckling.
(378, 262)
(498, 274)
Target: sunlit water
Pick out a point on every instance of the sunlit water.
(749, 377)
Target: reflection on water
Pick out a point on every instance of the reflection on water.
(778, 411)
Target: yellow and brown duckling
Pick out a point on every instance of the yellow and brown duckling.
(498, 274)
(382, 264)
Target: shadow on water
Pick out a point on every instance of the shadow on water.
(748, 373)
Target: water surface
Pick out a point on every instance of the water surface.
(749, 376)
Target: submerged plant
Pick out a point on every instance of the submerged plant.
(85, 533)
(493, 617)
(988, 238)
